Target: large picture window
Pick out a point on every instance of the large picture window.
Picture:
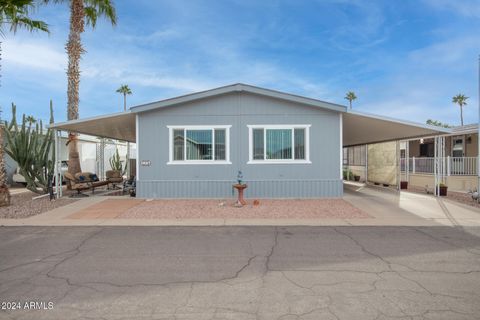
(199, 144)
(279, 143)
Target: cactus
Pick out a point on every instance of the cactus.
(116, 163)
(33, 149)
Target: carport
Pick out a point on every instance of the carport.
(357, 129)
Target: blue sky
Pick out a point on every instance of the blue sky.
(404, 59)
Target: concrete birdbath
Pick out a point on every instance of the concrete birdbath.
(240, 201)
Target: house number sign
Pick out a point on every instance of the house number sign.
(146, 163)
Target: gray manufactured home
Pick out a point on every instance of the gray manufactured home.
(194, 148)
(286, 146)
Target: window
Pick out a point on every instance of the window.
(354, 156)
(279, 143)
(199, 144)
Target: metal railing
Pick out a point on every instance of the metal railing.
(455, 166)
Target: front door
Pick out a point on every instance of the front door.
(458, 152)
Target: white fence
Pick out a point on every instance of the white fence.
(455, 166)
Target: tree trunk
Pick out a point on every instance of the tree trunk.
(4, 192)
(74, 51)
(124, 102)
(461, 115)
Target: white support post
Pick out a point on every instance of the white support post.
(127, 165)
(478, 137)
(366, 163)
(407, 161)
(435, 166)
(413, 164)
(399, 159)
(449, 169)
(55, 170)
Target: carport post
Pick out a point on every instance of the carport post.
(366, 163)
(399, 160)
(478, 137)
(435, 166)
(58, 182)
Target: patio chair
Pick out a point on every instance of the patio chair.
(114, 177)
(130, 186)
(83, 181)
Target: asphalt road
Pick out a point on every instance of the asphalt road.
(240, 273)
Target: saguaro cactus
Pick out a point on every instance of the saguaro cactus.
(32, 147)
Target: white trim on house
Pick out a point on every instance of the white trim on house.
(201, 162)
(279, 126)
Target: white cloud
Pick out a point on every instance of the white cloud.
(38, 55)
(469, 8)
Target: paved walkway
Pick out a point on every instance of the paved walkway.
(386, 208)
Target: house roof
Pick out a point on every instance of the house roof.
(238, 87)
(468, 128)
(358, 128)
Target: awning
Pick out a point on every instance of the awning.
(362, 128)
(358, 128)
(119, 126)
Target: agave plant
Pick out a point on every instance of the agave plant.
(116, 163)
(32, 147)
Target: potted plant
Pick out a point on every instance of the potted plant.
(443, 189)
(348, 174)
(356, 177)
(403, 185)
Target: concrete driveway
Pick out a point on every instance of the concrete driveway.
(242, 272)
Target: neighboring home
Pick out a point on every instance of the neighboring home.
(286, 146)
(460, 161)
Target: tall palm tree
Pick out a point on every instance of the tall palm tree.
(350, 96)
(461, 100)
(81, 12)
(124, 89)
(14, 14)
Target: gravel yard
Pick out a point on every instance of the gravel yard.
(22, 205)
(266, 209)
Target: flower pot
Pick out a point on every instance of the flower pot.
(403, 185)
(443, 191)
(357, 178)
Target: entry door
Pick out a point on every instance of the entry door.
(458, 152)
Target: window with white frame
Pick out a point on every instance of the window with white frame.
(279, 143)
(199, 144)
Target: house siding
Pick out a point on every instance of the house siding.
(239, 109)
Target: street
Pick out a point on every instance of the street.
(240, 272)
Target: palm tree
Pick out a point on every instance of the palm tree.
(124, 89)
(350, 96)
(81, 12)
(14, 14)
(461, 100)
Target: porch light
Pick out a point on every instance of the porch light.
(421, 140)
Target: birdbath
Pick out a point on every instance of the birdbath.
(240, 187)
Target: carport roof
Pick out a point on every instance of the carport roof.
(358, 128)
(119, 126)
(363, 128)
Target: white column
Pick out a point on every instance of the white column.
(341, 146)
(56, 170)
(407, 161)
(366, 163)
(435, 166)
(478, 138)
